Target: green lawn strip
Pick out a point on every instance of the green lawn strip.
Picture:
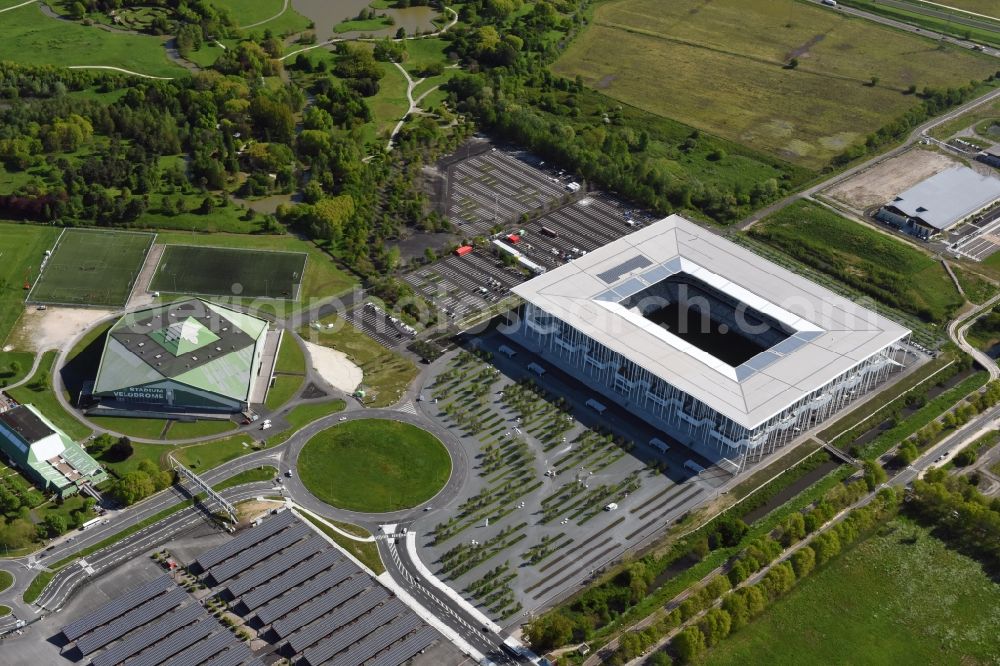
(21, 249)
(247, 12)
(131, 427)
(265, 473)
(6, 580)
(977, 289)
(366, 25)
(4, 610)
(284, 389)
(208, 455)
(36, 586)
(983, 112)
(975, 450)
(32, 38)
(929, 412)
(885, 398)
(386, 373)
(38, 392)
(155, 453)
(9, 361)
(877, 604)
(301, 415)
(888, 270)
(374, 465)
(200, 428)
(365, 551)
(291, 358)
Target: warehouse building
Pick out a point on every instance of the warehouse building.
(191, 356)
(45, 454)
(724, 351)
(942, 202)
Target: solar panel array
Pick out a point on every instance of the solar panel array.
(133, 619)
(143, 639)
(246, 539)
(612, 274)
(123, 604)
(290, 579)
(303, 592)
(274, 566)
(283, 605)
(234, 656)
(318, 606)
(344, 615)
(259, 552)
(372, 644)
(160, 652)
(406, 649)
(200, 652)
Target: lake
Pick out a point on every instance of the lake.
(326, 14)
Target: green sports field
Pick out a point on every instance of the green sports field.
(222, 271)
(91, 267)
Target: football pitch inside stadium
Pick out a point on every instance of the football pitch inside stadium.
(92, 267)
(219, 271)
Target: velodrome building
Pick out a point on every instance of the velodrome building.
(721, 349)
(187, 356)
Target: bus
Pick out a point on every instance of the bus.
(659, 445)
(596, 406)
(90, 523)
(549, 232)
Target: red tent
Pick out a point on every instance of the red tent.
(514, 238)
(463, 250)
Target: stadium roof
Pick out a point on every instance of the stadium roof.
(830, 334)
(194, 342)
(949, 197)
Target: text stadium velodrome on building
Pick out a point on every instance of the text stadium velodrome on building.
(186, 356)
(723, 350)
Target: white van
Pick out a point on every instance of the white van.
(611, 507)
(659, 445)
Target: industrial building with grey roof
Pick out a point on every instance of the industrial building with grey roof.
(942, 202)
(721, 349)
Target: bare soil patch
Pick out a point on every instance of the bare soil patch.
(881, 183)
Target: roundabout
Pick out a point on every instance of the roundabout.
(374, 466)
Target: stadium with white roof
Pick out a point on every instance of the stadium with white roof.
(724, 351)
(187, 356)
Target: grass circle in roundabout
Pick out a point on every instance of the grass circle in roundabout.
(374, 465)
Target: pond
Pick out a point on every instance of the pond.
(326, 14)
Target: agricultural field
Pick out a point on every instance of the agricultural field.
(32, 38)
(220, 271)
(90, 267)
(878, 604)
(888, 270)
(694, 62)
(22, 247)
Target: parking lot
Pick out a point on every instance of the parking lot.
(462, 285)
(978, 240)
(496, 187)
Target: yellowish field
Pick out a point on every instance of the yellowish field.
(720, 66)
